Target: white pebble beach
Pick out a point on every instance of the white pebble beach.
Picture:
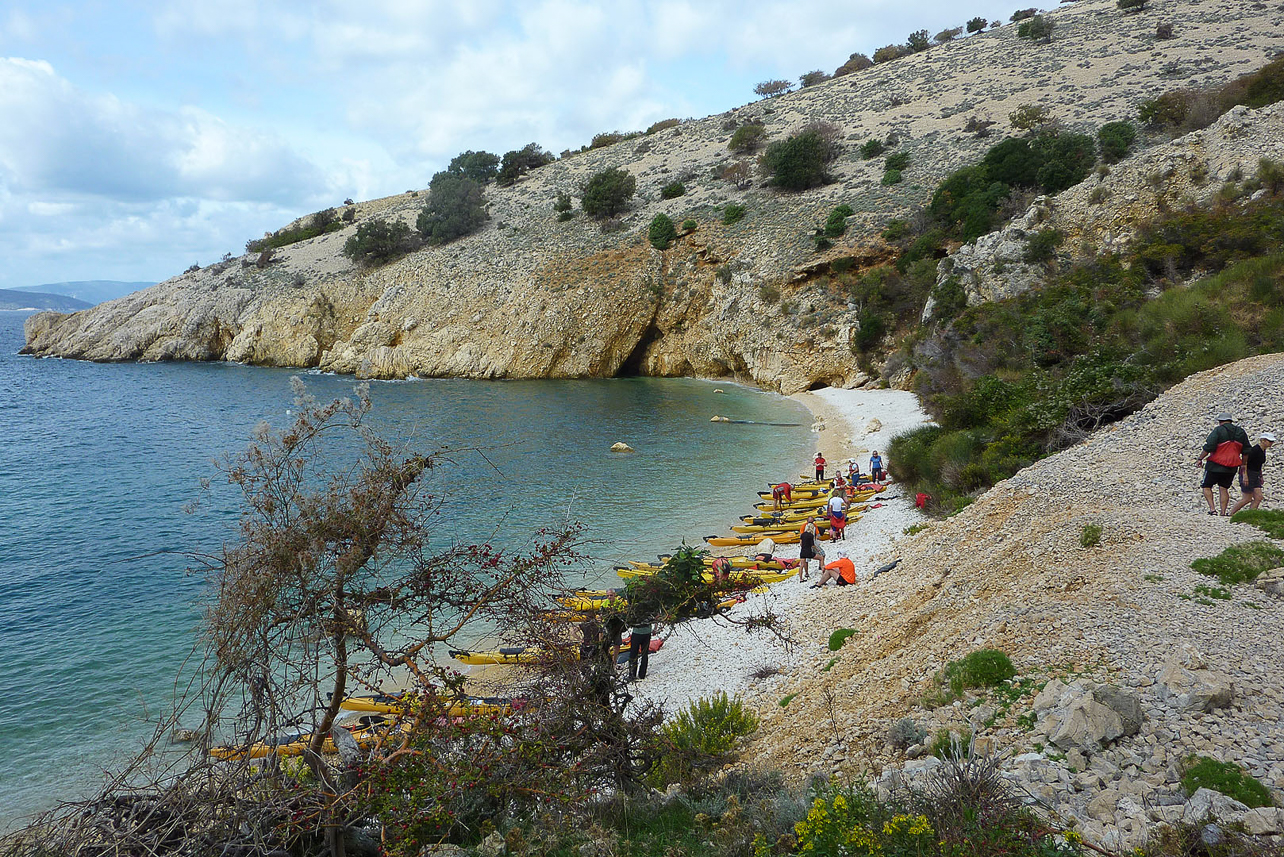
(702, 657)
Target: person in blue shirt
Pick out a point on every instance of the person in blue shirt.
(876, 467)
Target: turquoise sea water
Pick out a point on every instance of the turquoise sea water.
(97, 462)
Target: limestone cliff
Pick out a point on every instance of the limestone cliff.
(529, 296)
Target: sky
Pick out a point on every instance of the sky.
(139, 138)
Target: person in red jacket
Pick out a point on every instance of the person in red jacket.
(820, 467)
(781, 495)
(1224, 450)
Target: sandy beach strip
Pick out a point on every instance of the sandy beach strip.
(701, 657)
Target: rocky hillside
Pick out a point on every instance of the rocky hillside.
(529, 296)
(1129, 661)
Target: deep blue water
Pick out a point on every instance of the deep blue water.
(98, 461)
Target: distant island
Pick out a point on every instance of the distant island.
(84, 293)
(11, 299)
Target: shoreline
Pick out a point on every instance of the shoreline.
(703, 657)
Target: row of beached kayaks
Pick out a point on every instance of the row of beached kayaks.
(783, 522)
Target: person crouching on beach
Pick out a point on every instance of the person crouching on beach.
(807, 548)
(1224, 450)
(780, 495)
(842, 570)
(1250, 472)
(721, 570)
(853, 472)
(820, 467)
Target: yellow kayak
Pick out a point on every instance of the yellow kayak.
(366, 732)
(467, 707)
(512, 655)
(735, 574)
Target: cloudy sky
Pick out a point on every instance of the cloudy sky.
(138, 138)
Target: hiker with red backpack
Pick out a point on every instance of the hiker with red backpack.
(1224, 450)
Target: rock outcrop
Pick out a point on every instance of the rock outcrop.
(530, 296)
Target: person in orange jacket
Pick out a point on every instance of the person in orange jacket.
(842, 569)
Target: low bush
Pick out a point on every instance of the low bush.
(905, 733)
(518, 162)
(801, 160)
(1205, 772)
(662, 232)
(836, 224)
(733, 213)
(918, 41)
(1241, 563)
(856, 62)
(895, 230)
(1090, 536)
(812, 78)
(702, 736)
(746, 138)
(1027, 117)
(1130, 5)
(890, 52)
(897, 161)
(1022, 14)
(947, 35)
(769, 293)
(1269, 521)
(976, 25)
(1041, 246)
(980, 669)
(320, 223)
(662, 125)
(1164, 30)
(480, 167)
(1114, 140)
(673, 190)
(770, 88)
(689, 225)
(378, 242)
(891, 177)
(871, 149)
(607, 193)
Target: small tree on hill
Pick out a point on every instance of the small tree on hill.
(662, 232)
(1131, 5)
(889, 52)
(976, 25)
(800, 161)
(769, 88)
(480, 167)
(454, 208)
(519, 161)
(607, 193)
(746, 138)
(812, 78)
(918, 41)
(1114, 140)
(947, 35)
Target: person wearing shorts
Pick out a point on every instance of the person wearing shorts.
(1250, 474)
(1226, 436)
(806, 548)
(781, 495)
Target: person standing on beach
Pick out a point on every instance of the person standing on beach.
(876, 467)
(838, 516)
(639, 649)
(1224, 450)
(1250, 473)
(806, 548)
(820, 467)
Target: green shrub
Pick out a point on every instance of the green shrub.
(673, 190)
(891, 177)
(563, 203)
(772, 88)
(1036, 29)
(1114, 140)
(812, 78)
(918, 41)
(711, 726)
(839, 637)
(895, 230)
(1225, 777)
(982, 668)
(454, 209)
(733, 213)
(662, 125)
(378, 242)
(607, 193)
(1022, 14)
(662, 232)
(800, 161)
(855, 62)
(897, 161)
(1241, 563)
(976, 25)
(1130, 5)
(322, 222)
(871, 149)
(950, 745)
(769, 293)
(1270, 521)
(746, 138)
(836, 223)
(1090, 537)
(871, 328)
(689, 225)
(890, 52)
(1066, 160)
(1027, 117)
(1041, 246)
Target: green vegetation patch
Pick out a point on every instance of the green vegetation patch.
(1269, 521)
(980, 669)
(1225, 777)
(1240, 563)
(1090, 537)
(733, 213)
(839, 637)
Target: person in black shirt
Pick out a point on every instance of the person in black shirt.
(1223, 449)
(1250, 473)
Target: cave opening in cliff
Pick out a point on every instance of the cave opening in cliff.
(634, 364)
(817, 385)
